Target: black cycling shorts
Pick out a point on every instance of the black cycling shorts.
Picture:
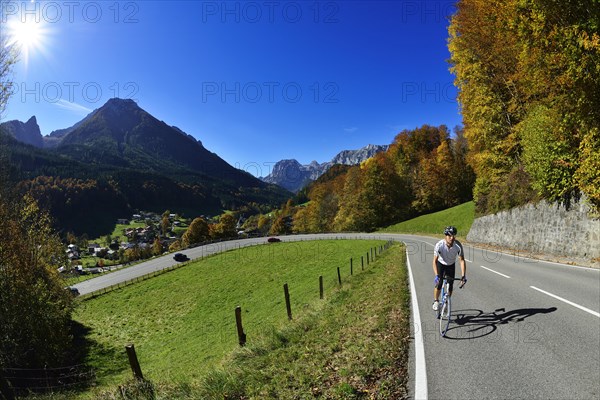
(445, 270)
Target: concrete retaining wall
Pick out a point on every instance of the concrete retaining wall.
(542, 228)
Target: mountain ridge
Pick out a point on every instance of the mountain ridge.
(141, 161)
(293, 176)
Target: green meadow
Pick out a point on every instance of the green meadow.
(182, 323)
(461, 216)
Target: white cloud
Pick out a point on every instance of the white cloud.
(73, 107)
(351, 130)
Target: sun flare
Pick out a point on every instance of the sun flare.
(27, 36)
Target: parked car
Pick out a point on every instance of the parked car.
(73, 290)
(273, 240)
(180, 257)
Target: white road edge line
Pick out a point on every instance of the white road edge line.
(567, 301)
(420, 370)
(496, 272)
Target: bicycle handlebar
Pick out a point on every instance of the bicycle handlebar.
(447, 278)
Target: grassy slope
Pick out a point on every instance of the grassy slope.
(350, 345)
(461, 216)
(356, 347)
(182, 323)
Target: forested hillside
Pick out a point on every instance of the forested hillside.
(424, 170)
(119, 159)
(528, 75)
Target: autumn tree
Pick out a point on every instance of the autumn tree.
(385, 196)
(131, 254)
(443, 178)
(432, 168)
(175, 246)
(483, 45)
(323, 205)
(197, 232)
(165, 223)
(35, 310)
(350, 215)
(157, 247)
(8, 57)
(460, 166)
(430, 186)
(225, 228)
(264, 223)
(528, 74)
(300, 220)
(282, 225)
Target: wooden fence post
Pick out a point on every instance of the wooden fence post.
(133, 361)
(240, 328)
(351, 268)
(339, 276)
(321, 287)
(362, 263)
(286, 292)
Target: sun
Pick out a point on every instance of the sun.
(27, 36)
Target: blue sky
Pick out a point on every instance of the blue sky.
(255, 81)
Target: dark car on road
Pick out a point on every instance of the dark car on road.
(180, 257)
(273, 240)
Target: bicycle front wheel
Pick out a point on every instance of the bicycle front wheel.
(445, 312)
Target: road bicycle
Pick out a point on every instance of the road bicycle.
(444, 310)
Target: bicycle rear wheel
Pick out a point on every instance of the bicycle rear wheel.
(445, 313)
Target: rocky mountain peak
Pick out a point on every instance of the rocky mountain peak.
(25, 132)
(293, 176)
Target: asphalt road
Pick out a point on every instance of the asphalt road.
(159, 263)
(521, 328)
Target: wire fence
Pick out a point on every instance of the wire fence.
(23, 381)
(153, 274)
(108, 289)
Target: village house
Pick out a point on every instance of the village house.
(73, 252)
(93, 248)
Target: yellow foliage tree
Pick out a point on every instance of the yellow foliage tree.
(528, 74)
(35, 309)
(197, 232)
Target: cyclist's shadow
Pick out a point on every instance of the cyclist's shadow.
(474, 324)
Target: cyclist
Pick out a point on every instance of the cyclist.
(444, 259)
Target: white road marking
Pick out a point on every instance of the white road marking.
(496, 272)
(567, 301)
(420, 371)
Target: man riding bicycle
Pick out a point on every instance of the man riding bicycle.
(444, 259)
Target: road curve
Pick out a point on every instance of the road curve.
(521, 328)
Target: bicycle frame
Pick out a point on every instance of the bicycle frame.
(445, 307)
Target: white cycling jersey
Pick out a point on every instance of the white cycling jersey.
(447, 255)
